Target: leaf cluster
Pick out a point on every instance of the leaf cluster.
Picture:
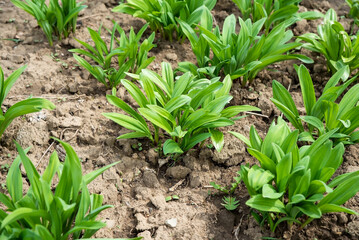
(292, 181)
(131, 54)
(334, 43)
(21, 108)
(188, 110)
(241, 55)
(65, 211)
(163, 15)
(56, 18)
(275, 11)
(323, 114)
(354, 10)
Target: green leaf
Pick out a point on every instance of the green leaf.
(268, 191)
(265, 204)
(171, 146)
(21, 213)
(217, 139)
(307, 88)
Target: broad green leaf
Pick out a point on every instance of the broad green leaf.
(171, 146)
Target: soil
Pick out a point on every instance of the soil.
(137, 186)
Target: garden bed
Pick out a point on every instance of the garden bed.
(137, 186)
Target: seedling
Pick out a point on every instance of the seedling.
(132, 55)
(230, 203)
(187, 110)
(137, 146)
(162, 15)
(275, 11)
(334, 43)
(173, 197)
(292, 181)
(241, 55)
(67, 212)
(54, 19)
(322, 114)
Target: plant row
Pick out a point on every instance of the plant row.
(181, 108)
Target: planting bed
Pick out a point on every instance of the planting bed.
(137, 186)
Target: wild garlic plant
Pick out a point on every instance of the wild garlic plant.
(187, 110)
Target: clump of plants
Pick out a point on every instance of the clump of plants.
(241, 55)
(131, 54)
(354, 11)
(334, 43)
(293, 184)
(275, 11)
(21, 108)
(163, 15)
(64, 211)
(323, 114)
(55, 19)
(185, 111)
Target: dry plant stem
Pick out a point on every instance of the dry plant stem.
(174, 187)
(61, 137)
(256, 114)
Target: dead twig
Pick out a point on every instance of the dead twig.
(256, 114)
(174, 187)
(52, 144)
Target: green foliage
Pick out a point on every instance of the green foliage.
(334, 43)
(293, 181)
(230, 203)
(54, 19)
(131, 55)
(67, 211)
(322, 114)
(240, 55)
(188, 110)
(275, 11)
(162, 15)
(21, 108)
(225, 189)
(354, 10)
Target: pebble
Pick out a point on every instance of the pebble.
(171, 56)
(171, 222)
(158, 201)
(152, 156)
(178, 172)
(150, 179)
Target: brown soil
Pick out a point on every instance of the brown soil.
(137, 187)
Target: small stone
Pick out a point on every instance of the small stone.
(110, 141)
(342, 218)
(16, 58)
(146, 235)
(318, 68)
(71, 122)
(252, 96)
(28, 40)
(171, 56)
(152, 156)
(150, 179)
(73, 87)
(158, 201)
(178, 172)
(171, 222)
(110, 223)
(110, 174)
(73, 43)
(194, 180)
